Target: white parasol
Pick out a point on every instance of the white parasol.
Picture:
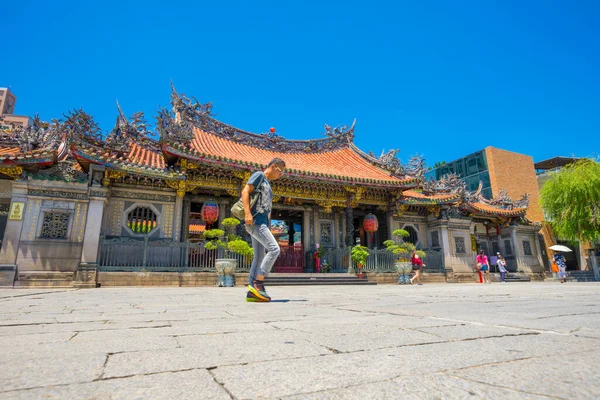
(559, 247)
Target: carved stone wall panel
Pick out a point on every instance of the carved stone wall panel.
(168, 215)
(114, 215)
(459, 227)
(323, 215)
(58, 204)
(4, 208)
(327, 233)
(31, 220)
(79, 220)
(408, 218)
(61, 194)
(138, 180)
(5, 189)
(127, 194)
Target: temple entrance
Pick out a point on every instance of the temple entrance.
(286, 226)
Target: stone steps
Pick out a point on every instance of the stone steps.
(516, 277)
(581, 276)
(44, 280)
(315, 279)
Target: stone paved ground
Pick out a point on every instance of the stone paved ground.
(499, 341)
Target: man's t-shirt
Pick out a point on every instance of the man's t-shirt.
(262, 207)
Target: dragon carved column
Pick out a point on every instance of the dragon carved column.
(349, 226)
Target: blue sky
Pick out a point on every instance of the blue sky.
(438, 78)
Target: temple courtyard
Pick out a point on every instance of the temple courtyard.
(497, 341)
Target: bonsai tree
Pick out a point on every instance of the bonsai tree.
(404, 249)
(359, 255)
(227, 239)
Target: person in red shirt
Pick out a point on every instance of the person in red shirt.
(417, 266)
(483, 265)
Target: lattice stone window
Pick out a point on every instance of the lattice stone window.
(142, 220)
(459, 245)
(527, 248)
(55, 226)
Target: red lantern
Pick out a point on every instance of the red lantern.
(370, 223)
(272, 130)
(210, 212)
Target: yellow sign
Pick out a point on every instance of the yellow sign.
(473, 243)
(16, 211)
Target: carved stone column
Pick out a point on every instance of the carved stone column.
(185, 222)
(349, 226)
(12, 234)
(86, 275)
(177, 218)
(306, 229)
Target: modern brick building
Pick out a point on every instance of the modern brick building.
(497, 170)
(8, 102)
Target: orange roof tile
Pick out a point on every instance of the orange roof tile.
(145, 157)
(138, 159)
(9, 151)
(344, 162)
(488, 209)
(416, 197)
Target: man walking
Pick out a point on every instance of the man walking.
(257, 220)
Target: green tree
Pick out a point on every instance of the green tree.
(571, 201)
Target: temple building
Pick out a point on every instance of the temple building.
(79, 209)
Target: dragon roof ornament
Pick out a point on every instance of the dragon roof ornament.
(40, 135)
(126, 131)
(504, 202)
(190, 112)
(450, 183)
(415, 168)
(80, 126)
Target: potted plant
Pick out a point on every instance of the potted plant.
(359, 255)
(231, 243)
(402, 251)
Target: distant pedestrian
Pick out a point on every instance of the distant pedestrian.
(501, 263)
(561, 263)
(417, 266)
(482, 265)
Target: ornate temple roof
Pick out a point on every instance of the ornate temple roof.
(189, 137)
(342, 164)
(192, 133)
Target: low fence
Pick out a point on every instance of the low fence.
(131, 254)
(379, 260)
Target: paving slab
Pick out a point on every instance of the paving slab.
(500, 341)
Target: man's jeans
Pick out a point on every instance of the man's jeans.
(262, 239)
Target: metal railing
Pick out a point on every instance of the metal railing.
(379, 260)
(129, 254)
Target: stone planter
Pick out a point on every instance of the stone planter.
(225, 270)
(404, 269)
